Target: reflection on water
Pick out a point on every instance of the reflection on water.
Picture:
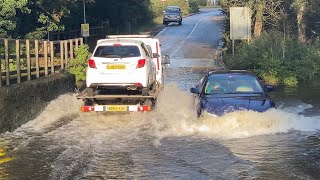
(290, 156)
(4, 159)
(306, 94)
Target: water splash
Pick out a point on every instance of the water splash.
(178, 114)
(57, 110)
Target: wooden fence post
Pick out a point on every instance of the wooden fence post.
(66, 52)
(6, 57)
(77, 43)
(28, 59)
(36, 49)
(61, 55)
(52, 56)
(45, 52)
(18, 61)
(71, 49)
(81, 41)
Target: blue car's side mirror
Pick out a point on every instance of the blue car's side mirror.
(195, 91)
(269, 88)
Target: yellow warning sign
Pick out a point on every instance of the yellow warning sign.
(85, 30)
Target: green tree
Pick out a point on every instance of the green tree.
(292, 16)
(119, 13)
(9, 16)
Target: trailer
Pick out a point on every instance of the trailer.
(118, 102)
(111, 99)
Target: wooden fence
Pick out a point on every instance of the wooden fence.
(24, 60)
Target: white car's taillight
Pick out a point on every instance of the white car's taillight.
(92, 64)
(141, 63)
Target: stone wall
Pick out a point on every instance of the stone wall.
(20, 103)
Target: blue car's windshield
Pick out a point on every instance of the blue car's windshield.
(232, 84)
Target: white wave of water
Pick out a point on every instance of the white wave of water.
(64, 106)
(177, 109)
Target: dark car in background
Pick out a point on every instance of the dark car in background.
(220, 92)
(172, 14)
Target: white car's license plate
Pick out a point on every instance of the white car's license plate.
(116, 66)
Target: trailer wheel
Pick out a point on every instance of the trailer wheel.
(88, 102)
(150, 102)
(90, 91)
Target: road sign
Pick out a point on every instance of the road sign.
(85, 30)
(240, 23)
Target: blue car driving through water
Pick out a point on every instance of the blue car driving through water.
(220, 92)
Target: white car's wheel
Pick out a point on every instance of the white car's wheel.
(90, 91)
(145, 91)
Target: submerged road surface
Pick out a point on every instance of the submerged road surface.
(168, 143)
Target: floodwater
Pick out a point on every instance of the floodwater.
(170, 143)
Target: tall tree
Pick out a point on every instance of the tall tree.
(258, 23)
(9, 21)
(300, 7)
(53, 15)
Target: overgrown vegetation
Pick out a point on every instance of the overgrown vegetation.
(201, 2)
(285, 44)
(193, 6)
(79, 64)
(278, 59)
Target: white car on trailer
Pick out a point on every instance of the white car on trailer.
(125, 73)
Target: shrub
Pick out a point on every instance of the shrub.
(277, 59)
(201, 2)
(79, 65)
(193, 6)
(290, 81)
(270, 78)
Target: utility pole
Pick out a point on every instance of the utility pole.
(84, 12)
(84, 18)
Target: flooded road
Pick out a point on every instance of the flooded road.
(169, 143)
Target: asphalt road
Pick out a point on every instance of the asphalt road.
(168, 143)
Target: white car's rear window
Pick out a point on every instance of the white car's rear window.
(117, 51)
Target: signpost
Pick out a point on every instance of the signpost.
(85, 30)
(240, 24)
